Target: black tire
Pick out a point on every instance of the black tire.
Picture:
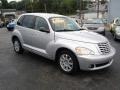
(20, 50)
(75, 67)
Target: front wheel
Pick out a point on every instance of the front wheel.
(68, 62)
(17, 46)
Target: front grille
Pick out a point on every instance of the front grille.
(104, 48)
(92, 28)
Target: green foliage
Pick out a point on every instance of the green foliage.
(54, 6)
(4, 4)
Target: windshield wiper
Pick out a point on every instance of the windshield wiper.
(65, 30)
(82, 29)
(93, 23)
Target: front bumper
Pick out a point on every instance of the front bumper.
(96, 62)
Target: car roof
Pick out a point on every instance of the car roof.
(45, 15)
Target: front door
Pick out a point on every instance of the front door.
(42, 39)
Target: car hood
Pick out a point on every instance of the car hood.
(81, 36)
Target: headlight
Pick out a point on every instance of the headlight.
(83, 51)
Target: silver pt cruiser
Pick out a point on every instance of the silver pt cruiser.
(59, 38)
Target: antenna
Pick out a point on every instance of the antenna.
(54, 28)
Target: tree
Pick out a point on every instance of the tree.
(54, 6)
(13, 4)
(5, 4)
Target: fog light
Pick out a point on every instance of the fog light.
(91, 66)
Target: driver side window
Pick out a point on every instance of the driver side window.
(41, 22)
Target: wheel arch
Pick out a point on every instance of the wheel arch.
(14, 37)
(61, 49)
(76, 62)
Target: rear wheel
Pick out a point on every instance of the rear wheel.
(68, 62)
(17, 46)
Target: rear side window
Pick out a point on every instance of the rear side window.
(28, 21)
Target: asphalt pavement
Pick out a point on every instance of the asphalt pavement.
(32, 72)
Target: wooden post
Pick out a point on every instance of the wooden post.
(98, 9)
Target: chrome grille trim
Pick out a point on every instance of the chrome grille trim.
(104, 48)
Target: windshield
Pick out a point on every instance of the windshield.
(63, 24)
(93, 21)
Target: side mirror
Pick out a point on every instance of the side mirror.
(43, 29)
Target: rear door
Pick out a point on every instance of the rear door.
(26, 29)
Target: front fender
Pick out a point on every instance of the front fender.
(71, 45)
(61, 43)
